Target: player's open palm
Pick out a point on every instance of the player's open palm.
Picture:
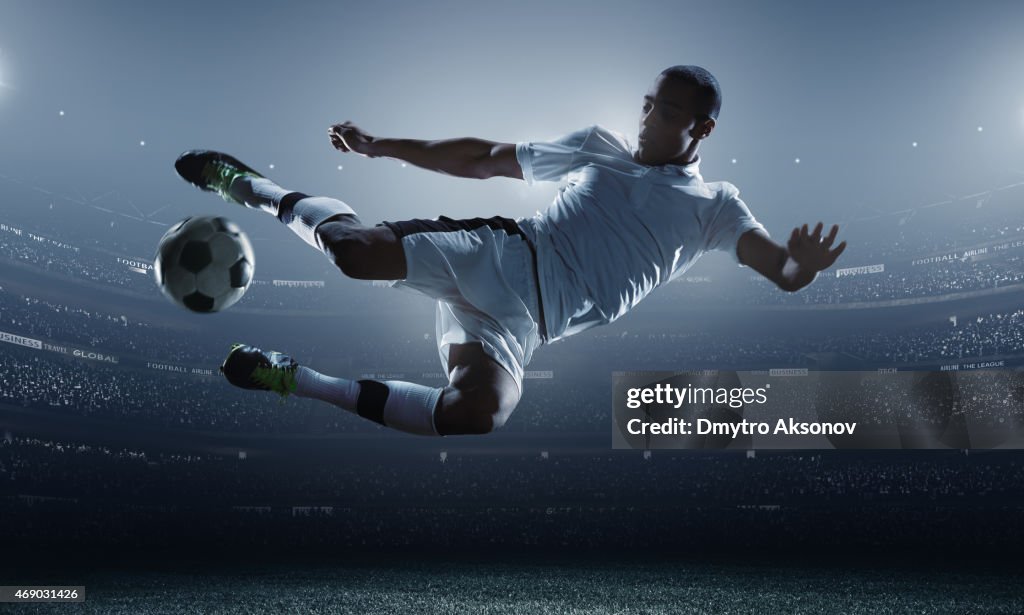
(347, 137)
(811, 251)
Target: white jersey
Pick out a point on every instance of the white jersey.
(619, 229)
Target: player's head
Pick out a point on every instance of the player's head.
(680, 108)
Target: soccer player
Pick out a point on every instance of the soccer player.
(629, 220)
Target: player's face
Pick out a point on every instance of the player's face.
(667, 124)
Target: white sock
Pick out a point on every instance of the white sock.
(310, 212)
(338, 391)
(257, 192)
(302, 213)
(409, 407)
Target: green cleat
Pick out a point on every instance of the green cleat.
(249, 367)
(213, 172)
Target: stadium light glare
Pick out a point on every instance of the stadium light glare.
(4, 85)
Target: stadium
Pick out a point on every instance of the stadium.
(130, 466)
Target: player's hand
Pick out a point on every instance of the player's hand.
(811, 251)
(347, 137)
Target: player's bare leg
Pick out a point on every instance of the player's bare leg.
(361, 252)
(480, 395)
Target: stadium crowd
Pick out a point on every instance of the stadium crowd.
(574, 395)
(84, 495)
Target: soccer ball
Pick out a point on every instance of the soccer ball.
(204, 263)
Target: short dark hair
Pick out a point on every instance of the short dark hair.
(708, 99)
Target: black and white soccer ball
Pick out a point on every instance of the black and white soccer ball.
(204, 263)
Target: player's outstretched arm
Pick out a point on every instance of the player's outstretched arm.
(794, 265)
(464, 157)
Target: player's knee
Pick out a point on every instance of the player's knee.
(349, 249)
(479, 411)
(487, 419)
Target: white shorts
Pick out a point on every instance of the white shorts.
(483, 275)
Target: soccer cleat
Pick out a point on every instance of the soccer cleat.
(213, 171)
(249, 367)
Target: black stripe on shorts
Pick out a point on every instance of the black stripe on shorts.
(444, 223)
